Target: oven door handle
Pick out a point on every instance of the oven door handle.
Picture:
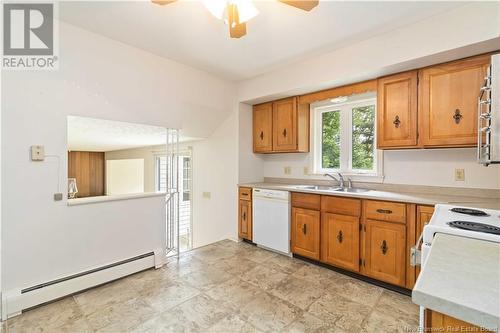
(416, 252)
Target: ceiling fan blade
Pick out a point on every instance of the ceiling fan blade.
(236, 29)
(306, 5)
(162, 2)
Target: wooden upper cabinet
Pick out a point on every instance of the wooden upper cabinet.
(285, 125)
(448, 102)
(340, 241)
(263, 128)
(305, 232)
(281, 127)
(397, 110)
(385, 245)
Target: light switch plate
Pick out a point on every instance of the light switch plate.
(460, 175)
(207, 195)
(58, 196)
(37, 153)
(287, 170)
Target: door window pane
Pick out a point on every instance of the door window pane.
(330, 140)
(363, 136)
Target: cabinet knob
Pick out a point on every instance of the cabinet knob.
(304, 229)
(383, 247)
(457, 116)
(244, 216)
(284, 132)
(340, 237)
(262, 135)
(396, 122)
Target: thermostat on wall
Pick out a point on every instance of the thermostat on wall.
(37, 153)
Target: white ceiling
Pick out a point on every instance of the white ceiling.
(186, 32)
(90, 134)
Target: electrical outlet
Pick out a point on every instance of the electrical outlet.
(460, 175)
(207, 195)
(58, 196)
(306, 171)
(37, 153)
(287, 170)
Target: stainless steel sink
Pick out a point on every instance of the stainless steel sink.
(352, 190)
(330, 188)
(316, 187)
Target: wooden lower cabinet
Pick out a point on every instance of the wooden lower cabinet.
(439, 322)
(305, 232)
(385, 250)
(245, 219)
(340, 241)
(424, 214)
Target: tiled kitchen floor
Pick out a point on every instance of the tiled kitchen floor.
(227, 287)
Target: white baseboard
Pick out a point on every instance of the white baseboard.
(15, 301)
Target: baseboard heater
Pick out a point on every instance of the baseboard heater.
(15, 301)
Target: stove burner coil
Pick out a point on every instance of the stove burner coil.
(469, 211)
(475, 226)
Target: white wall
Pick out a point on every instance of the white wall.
(125, 176)
(434, 167)
(145, 153)
(98, 77)
(433, 40)
(215, 170)
(251, 166)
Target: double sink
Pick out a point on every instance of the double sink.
(330, 188)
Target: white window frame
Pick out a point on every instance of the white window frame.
(317, 109)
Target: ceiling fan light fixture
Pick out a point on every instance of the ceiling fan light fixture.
(246, 10)
(218, 8)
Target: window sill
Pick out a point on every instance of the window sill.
(117, 197)
(357, 177)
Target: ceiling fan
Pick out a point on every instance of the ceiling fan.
(237, 12)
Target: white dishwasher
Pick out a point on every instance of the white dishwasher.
(271, 219)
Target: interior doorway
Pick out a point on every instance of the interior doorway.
(185, 172)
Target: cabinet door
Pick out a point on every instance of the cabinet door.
(245, 219)
(305, 232)
(424, 214)
(438, 322)
(448, 102)
(385, 248)
(285, 125)
(340, 241)
(397, 111)
(263, 128)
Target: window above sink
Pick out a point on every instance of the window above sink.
(344, 137)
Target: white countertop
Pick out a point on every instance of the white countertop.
(461, 278)
(417, 198)
(116, 197)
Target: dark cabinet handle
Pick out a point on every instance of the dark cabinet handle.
(244, 216)
(304, 229)
(384, 247)
(396, 122)
(340, 237)
(384, 211)
(262, 135)
(457, 116)
(284, 132)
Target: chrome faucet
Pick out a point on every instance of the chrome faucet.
(340, 179)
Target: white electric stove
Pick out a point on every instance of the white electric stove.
(483, 224)
(468, 222)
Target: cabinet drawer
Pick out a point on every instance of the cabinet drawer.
(245, 193)
(385, 211)
(303, 200)
(343, 206)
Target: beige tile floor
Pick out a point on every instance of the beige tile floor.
(227, 287)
